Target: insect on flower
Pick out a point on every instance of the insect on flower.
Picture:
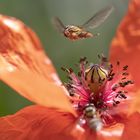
(75, 32)
(94, 94)
(90, 115)
(98, 103)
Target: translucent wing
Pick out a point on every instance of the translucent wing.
(58, 24)
(98, 18)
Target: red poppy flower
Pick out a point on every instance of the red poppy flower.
(92, 105)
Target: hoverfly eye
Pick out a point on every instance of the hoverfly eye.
(66, 33)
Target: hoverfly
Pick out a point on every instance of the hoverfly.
(74, 32)
(91, 118)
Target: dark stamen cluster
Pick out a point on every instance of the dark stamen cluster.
(125, 83)
(102, 58)
(115, 86)
(96, 88)
(83, 59)
(111, 74)
(125, 67)
(121, 94)
(70, 70)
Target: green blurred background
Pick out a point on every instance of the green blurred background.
(38, 13)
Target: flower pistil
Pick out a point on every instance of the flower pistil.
(96, 90)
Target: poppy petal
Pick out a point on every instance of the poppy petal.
(135, 103)
(127, 131)
(26, 68)
(127, 41)
(111, 133)
(132, 128)
(40, 123)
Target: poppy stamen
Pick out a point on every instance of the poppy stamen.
(95, 89)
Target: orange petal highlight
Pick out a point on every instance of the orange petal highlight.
(125, 46)
(26, 68)
(40, 123)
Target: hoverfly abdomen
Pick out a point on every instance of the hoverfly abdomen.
(95, 124)
(91, 117)
(85, 34)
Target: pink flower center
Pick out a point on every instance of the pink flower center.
(96, 90)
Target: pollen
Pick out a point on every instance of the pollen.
(96, 90)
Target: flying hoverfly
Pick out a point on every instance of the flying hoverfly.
(75, 32)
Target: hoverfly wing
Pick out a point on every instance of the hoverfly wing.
(58, 24)
(98, 18)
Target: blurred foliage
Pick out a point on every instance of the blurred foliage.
(63, 52)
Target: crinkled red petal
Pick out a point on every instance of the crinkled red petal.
(125, 46)
(40, 123)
